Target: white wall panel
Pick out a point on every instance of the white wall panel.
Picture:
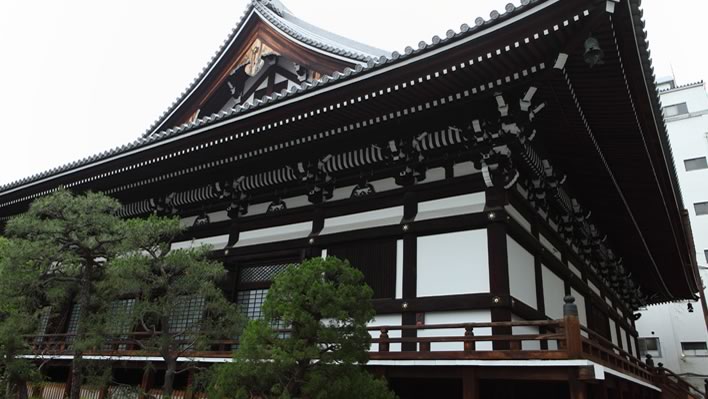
(274, 234)
(464, 168)
(399, 269)
(386, 320)
(553, 293)
(363, 220)
(522, 273)
(623, 338)
(580, 302)
(596, 290)
(516, 215)
(451, 206)
(550, 247)
(465, 316)
(575, 270)
(453, 263)
(525, 330)
(216, 242)
(613, 332)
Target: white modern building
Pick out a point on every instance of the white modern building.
(675, 334)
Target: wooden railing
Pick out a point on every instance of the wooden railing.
(468, 343)
(548, 340)
(600, 350)
(675, 383)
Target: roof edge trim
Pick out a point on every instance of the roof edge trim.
(415, 58)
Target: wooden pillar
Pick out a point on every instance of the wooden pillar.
(189, 392)
(498, 260)
(410, 269)
(470, 384)
(146, 383)
(578, 389)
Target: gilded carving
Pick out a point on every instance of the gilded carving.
(254, 57)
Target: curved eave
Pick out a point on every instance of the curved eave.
(689, 266)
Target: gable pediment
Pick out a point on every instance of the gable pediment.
(264, 55)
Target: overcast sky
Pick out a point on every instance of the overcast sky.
(78, 77)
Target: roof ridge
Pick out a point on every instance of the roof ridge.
(371, 64)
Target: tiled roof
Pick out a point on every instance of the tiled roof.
(274, 12)
(275, 6)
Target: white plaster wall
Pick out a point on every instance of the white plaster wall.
(386, 320)
(525, 330)
(580, 302)
(672, 323)
(550, 247)
(451, 206)
(465, 316)
(363, 220)
(274, 234)
(216, 242)
(522, 274)
(399, 269)
(613, 332)
(453, 263)
(516, 215)
(463, 169)
(553, 293)
(623, 338)
(575, 270)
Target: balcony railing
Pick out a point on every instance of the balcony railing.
(562, 339)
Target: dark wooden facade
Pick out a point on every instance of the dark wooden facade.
(479, 178)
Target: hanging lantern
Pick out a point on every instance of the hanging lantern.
(593, 53)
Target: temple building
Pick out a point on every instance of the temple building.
(508, 191)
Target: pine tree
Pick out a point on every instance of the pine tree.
(327, 306)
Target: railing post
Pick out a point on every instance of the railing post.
(384, 345)
(469, 345)
(424, 346)
(705, 385)
(571, 324)
(650, 361)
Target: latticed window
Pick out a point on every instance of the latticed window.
(186, 314)
(73, 325)
(250, 302)
(120, 321)
(44, 315)
(185, 318)
(265, 273)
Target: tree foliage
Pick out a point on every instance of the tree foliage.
(326, 305)
(62, 244)
(15, 307)
(167, 282)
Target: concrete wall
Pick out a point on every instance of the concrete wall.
(672, 323)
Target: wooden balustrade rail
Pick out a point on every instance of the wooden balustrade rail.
(563, 339)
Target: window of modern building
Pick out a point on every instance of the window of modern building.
(649, 346)
(695, 164)
(701, 208)
(675, 110)
(694, 348)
